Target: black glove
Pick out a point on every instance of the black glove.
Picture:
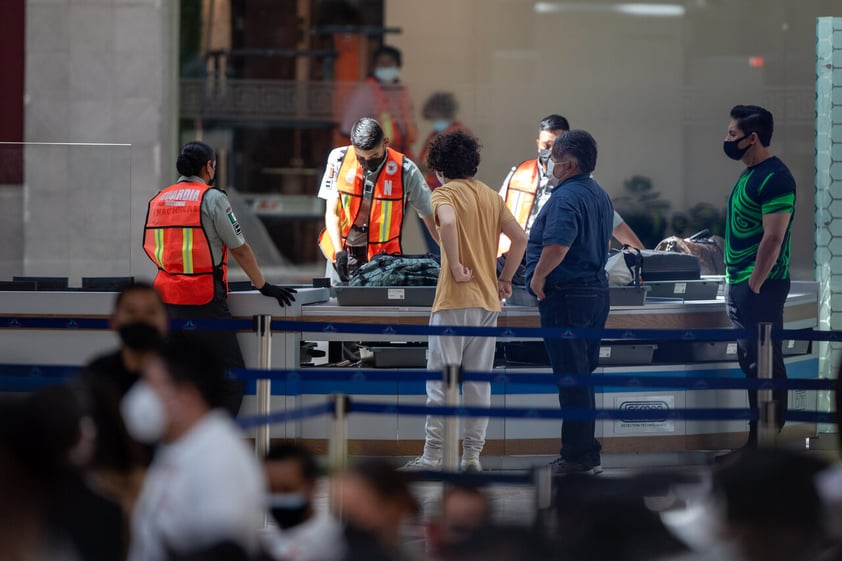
(341, 265)
(284, 295)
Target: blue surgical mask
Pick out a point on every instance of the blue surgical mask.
(440, 125)
(387, 74)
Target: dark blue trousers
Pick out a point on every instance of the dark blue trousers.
(579, 305)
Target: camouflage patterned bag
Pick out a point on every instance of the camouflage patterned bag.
(398, 270)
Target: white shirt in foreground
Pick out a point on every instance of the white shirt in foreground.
(205, 488)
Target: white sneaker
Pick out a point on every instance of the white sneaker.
(420, 464)
(471, 465)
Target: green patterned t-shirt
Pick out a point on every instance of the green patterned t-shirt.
(766, 188)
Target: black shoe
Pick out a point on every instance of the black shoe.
(562, 466)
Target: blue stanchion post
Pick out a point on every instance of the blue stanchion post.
(451, 378)
(338, 447)
(767, 428)
(263, 327)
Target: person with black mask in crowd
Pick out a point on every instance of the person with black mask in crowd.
(300, 533)
(140, 319)
(190, 228)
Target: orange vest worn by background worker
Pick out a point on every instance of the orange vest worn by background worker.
(175, 241)
(520, 196)
(385, 219)
(399, 129)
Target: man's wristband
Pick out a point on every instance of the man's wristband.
(505, 281)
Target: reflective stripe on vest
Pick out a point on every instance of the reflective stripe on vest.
(176, 242)
(385, 218)
(520, 196)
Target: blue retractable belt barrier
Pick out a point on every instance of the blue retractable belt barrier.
(563, 380)
(286, 416)
(386, 329)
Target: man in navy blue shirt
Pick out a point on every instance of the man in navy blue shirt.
(565, 269)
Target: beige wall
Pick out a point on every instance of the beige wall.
(655, 92)
(97, 71)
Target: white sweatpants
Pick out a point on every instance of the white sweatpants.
(475, 354)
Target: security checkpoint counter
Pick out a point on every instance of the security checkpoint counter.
(403, 435)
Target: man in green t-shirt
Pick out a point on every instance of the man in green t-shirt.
(757, 242)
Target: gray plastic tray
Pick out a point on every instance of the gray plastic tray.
(686, 290)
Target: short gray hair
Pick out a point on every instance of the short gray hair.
(579, 144)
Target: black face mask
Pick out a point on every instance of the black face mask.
(139, 336)
(732, 151)
(287, 517)
(372, 164)
(544, 156)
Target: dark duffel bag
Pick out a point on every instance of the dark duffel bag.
(709, 249)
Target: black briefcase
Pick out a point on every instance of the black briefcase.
(667, 265)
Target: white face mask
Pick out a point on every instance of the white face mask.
(387, 74)
(441, 179)
(143, 413)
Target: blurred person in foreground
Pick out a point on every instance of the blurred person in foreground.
(464, 508)
(501, 543)
(772, 508)
(470, 218)
(610, 518)
(140, 319)
(565, 270)
(300, 532)
(375, 502)
(204, 486)
(54, 442)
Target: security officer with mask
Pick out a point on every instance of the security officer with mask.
(528, 187)
(367, 186)
(190, 228)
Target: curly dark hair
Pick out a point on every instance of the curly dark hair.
(456, 155)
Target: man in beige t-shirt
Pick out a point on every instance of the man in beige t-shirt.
(470, 217)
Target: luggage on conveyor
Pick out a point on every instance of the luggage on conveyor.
(666, 265)
(709, 249)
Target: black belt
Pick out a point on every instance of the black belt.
(361, 229)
